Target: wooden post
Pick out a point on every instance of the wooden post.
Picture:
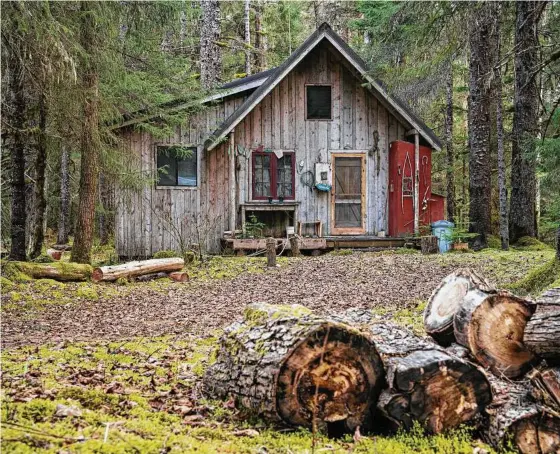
(416, 183)
(232, 204)
(294, 244)
(271, 252)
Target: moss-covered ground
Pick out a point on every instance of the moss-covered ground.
(144, 394)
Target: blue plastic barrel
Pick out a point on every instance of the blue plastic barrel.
(442, 229)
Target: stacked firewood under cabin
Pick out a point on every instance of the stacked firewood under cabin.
(483, 365)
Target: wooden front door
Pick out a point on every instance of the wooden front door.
(348, 198)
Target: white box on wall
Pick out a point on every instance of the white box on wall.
(323, 173)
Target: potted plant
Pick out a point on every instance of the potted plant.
(459, 238)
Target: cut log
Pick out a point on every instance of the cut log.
(425, 383)
(542, 333)
(429, 245)
(138, 268)
(150, 277)
(55, 254)
(491, 326)
(287, 364)
(546, 386)
(179, 276)
(446, 300)
(59, 271)
(515, 419)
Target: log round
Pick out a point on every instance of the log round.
(491, 326)
(138, 268)
(287, 364)
(446, 300)
(516, 420)
(542, 333)
(425, 383)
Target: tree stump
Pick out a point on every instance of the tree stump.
(513, 418)
(429, 245)
(55, 254)
(287, 364)
(491, 326)
(446, 300)
(425, 383)
(542, 333)
(294, 245)
(270, 252)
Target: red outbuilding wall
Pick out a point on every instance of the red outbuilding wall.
(401, 176)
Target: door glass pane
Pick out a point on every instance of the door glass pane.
(284, 176)
(262, 176)
(348, 192)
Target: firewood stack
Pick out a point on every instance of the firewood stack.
(486, 366)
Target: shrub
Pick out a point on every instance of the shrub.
(166, 254)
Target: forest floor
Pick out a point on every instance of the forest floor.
(108, 368)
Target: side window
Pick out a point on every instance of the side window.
(272, 176)
(177, 166)
(319, 102)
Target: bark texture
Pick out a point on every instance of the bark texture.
(138, 268)
(39, 200)
(261, 42)
(16, 113)
(480, 72)
(210, 55)
(450, 171)
(491, 326)
(247, 24)
(514, 418)
(64, 214)
(90, 143)
(425, 383)
(289, 365)
(525, 122)
(542, 333)
(447, 299)
(546, 386)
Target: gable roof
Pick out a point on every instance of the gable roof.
(324, 32)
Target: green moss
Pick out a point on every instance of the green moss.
(528, 243)
(43, 258)
(13, 271)
(5, 284)
(166, 254)
(87, 292)
(538, 279)
(494, 242)
(122, 281)
(16, 296)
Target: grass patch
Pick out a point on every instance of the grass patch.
(538, 279)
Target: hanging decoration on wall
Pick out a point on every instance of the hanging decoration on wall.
(307, 179)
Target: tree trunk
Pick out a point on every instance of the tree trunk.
(138, 268)
(261, 42)
(287, 364)
(515, 419)
(480, 71)
(425, 383)
(64, 215)
(210, 54)
(40, 203)
(450, 171)
(491, 326)
(247, 22)
(558, 243)
(447, 299)
(542, 333)
(59, 271)
(525, 123)
(502, 183)
(103, 227)
(17, 153)
(90, 143)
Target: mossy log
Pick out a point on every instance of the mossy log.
(514, 419)
(491, 326)
(138, 268)
(542, 333)
(425, 383)
(59, 271)
(446, 300)
(287, 364)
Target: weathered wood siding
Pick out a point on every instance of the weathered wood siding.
(152, 219)
(278, 122)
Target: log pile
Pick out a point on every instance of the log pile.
(339, 373)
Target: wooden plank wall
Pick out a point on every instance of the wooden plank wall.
(278, 122)
(150, 220)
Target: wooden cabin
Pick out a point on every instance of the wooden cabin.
(302, 148)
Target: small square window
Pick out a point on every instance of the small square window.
(177, 166)
(319, 102)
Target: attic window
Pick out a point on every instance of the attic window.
(177, 166)
(319, 102)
